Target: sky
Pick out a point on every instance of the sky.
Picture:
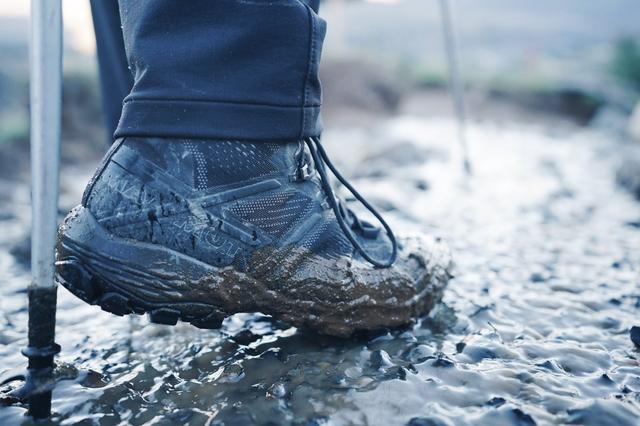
(76, 16)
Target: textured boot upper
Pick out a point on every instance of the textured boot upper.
(217, 201)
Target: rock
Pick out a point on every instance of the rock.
(605, 380)
(232, 373)
(549, 365)
(608, 323)
(397, 372)
(496, 401)
(536, 277)
(478, 353)
(7, 338)
(425, 421)
(525, 377)
(245, 337)
(422, 185)
(380, 360)
(353, 372)
(522, 418)
(276, 391)
(420, 354)
(363, 382)
(94, 379)
(635, 335)
(442, 363)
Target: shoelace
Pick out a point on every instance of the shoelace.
(320, 158)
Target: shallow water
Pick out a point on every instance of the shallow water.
(533, 329)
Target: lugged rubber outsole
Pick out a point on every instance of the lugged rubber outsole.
(302, 289)
(90, 288)
(105, 275)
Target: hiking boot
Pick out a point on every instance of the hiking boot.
(197, 230)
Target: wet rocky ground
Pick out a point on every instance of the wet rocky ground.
(534, 329)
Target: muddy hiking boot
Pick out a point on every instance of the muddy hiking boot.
(198, 230)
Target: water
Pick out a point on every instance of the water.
(533, 329)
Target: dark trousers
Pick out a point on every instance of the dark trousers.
(227, 69)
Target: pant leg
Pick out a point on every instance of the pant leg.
(115, 77)
(233, 69)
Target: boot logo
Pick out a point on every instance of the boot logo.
(210, 236)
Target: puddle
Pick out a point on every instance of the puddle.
(533, 329)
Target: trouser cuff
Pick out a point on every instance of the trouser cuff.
(217, 120)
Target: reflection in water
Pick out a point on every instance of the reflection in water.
(534, 327)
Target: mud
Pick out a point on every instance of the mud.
(291, 284)
(534, 328)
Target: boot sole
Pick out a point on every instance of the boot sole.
(125, 276)
(102, 274)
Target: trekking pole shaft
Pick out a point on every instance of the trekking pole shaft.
(455, 81)
(45, 104)
(46, 100)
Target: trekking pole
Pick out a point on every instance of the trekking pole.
(455, 82)
(46, 104)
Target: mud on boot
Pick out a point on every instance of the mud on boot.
(197, 230)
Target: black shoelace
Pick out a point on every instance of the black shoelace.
(343, 214)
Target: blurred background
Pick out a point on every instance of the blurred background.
(520, 60)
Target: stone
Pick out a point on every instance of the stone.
(634, 334)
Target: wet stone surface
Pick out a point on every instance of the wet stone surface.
(536, 328)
